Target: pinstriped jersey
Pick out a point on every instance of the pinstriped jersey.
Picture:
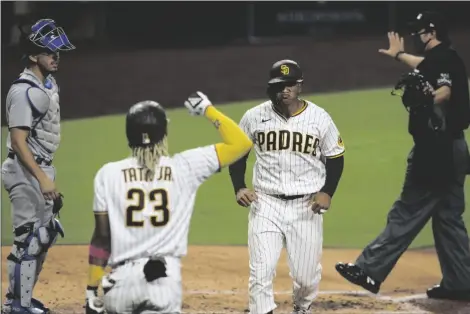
(151, 216)
(291, 153)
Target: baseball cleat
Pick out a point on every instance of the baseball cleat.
(12, 306)
(38, 304)
(298, 310)
(439, 292)
(357, 276)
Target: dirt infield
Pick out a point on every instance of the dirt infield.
(216, 280)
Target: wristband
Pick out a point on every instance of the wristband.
(95, 273)
(398, 54)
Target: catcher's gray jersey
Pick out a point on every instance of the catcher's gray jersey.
(36, 107)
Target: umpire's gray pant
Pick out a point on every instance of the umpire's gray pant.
(410, 213)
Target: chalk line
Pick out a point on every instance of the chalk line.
(325, 292)
(409, 308)
(358, 312)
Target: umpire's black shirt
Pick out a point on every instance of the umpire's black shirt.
(442, 66)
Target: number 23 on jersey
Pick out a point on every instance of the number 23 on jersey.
(158, 198)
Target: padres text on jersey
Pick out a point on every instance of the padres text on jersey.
(290, 153)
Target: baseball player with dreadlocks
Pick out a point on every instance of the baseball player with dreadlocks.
(33, 116)
(143, 206)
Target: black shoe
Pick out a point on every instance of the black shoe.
(438, 292)
(357, 276)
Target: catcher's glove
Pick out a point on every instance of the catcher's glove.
(417, 95)
(58, 203)
(416, 92)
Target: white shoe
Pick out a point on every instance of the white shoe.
(297, 310)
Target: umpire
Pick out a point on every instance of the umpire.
(437, 97)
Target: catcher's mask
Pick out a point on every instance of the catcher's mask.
(44, 37)
(46, 34)
(414, 90)
(146, 124)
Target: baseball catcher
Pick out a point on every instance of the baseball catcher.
(33, 117)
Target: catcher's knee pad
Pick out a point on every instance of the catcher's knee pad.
(54, 229)
(31, 245)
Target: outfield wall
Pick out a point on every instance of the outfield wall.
(108, 82)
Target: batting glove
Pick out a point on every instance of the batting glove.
(94, 304)
(197, 104)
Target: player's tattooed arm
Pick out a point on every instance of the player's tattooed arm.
(100, 248)
(235, 142)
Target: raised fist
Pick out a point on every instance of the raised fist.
(197, 103)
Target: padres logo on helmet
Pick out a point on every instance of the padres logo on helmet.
(285, 69)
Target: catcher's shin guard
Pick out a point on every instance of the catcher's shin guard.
(27, 256)
(54, 229)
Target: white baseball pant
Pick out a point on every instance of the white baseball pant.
(274, 223)
(131, 293)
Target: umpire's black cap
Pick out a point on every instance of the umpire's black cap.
(146, 124)
(428, 21)
(285, 71)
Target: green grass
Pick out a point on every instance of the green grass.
(372, 123)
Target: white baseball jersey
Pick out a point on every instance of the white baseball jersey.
(151, 217)
(290, 153)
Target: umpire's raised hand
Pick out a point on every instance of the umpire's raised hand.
(396, 45)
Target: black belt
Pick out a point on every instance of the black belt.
(287, 197)
(122, 263)
(39, 160)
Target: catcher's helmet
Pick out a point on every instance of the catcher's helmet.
(285, 71)
(44, 36)
(146, 124)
